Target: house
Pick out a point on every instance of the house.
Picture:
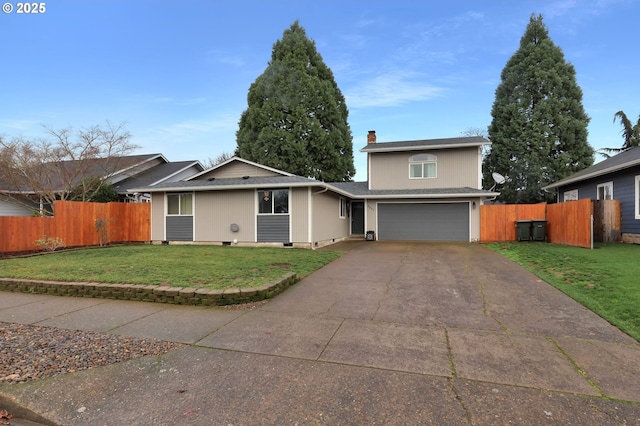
(617, 177)
(416, 190)
(122, 172)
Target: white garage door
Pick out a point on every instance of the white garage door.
(423, 221)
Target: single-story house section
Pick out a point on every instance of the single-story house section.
(246, 203)
(618, 178)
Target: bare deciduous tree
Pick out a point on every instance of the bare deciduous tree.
(210, 162)
(69, 162)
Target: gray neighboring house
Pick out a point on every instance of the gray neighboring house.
(618, 178)
(122, 172)
(426, 190)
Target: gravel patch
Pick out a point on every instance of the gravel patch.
(30, 352)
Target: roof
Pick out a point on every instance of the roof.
(56, 172)
(350, 189)
(624, 160)
(156, 175)
(462, 142)
(361, 190)
(231, 183)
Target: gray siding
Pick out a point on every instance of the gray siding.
(327, 223)
(215, 211)
(456, 168)
(424, 221)
(157, 216)
(8, 208)
(237, 169)
(623, 190)
(299, 201)
(273, 228)
(179, 228)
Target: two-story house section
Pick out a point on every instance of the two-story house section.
(427, 190)
(422, 190)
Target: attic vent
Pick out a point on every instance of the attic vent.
(246, 177)
(211, 178)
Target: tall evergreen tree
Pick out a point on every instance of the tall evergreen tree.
(539, 127)
(296, 118)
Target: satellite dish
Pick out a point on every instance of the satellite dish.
(498, 178)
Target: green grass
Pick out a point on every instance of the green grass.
(211, 267)
(606, 280)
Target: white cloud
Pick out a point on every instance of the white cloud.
(21, 125)
(222, 57)
(392, 89)
(576, 13)
(190, 139)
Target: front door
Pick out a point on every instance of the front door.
(357, 217)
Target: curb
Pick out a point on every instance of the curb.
(151, 293)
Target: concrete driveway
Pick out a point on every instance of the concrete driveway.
(390, 333)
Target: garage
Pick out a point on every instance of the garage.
(423, 221)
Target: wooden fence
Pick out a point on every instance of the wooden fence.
(497, 221)
(567, 223)
(77, 224)
(607, 221)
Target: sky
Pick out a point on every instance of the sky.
(177, 73)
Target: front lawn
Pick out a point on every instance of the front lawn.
(605, 280)
(211, 267)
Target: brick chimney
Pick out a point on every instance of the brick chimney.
(371, 137)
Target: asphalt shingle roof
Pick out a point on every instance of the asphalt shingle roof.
(425, 144)
(150, 176)
(625, 159)
(361, 189)
(227, 183)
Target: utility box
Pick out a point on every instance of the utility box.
(523, 230)
(539, 230)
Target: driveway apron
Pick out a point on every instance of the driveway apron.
(390, 333)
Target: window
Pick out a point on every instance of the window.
(343, 208)
(273, 202)
(571, 195)
(422, 166)
(637, 197)
(605, 191)
(180, 204)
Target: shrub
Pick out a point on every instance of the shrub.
(49, 243)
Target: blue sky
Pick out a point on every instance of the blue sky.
(178, 72)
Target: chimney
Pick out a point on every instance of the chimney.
(371, 137)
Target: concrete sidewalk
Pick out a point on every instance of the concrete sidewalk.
(390, 333)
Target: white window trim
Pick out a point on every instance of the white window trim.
(342, 208)
(433, 160)
(602, 185)
(193, 200)
(573, 194)
(637, 192)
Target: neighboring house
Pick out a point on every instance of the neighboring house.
(617, 177)
(122, 172)
(160, 173)
(416, 190)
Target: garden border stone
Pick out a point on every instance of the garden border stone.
(151, 293)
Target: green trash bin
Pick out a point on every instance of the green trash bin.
(539, 230)
(523, 230)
